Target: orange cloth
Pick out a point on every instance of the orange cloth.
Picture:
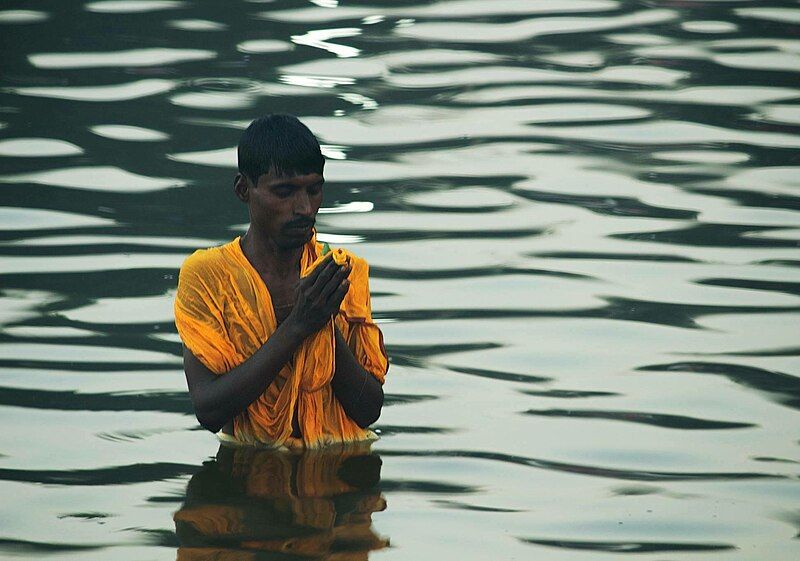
(224, 314)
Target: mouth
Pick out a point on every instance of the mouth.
(300, 227)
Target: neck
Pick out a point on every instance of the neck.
(265, 255)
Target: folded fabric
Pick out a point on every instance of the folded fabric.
(224, 314)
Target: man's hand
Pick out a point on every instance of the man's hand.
(218, 399)
(319, 296)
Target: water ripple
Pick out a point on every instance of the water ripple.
(785, 388)
(444, 9)
(631, 546)
(593, 471)
(681, 422)
(531, 28)
(137, 57)
(100, 178)
(98, 93)
(133, 6)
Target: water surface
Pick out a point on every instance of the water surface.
(582, 220)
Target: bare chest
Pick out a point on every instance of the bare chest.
(282, 292)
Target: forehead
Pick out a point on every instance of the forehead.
(300, 180)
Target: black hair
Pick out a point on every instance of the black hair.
(281, 144)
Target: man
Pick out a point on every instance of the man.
(279, 345)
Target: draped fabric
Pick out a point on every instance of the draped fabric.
(224, 314)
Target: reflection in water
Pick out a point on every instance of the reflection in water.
(249, 504)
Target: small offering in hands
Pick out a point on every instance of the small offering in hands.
(339, 255)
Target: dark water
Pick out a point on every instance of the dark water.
(582, 219)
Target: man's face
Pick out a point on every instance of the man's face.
(284, 208)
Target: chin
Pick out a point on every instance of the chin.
(293, 241)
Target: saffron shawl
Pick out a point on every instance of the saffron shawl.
(224, 314)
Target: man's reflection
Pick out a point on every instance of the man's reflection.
(250, 504)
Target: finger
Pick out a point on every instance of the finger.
(338, 296)
(324, 271)
(313, 275)
(325, 276)
(335, 282)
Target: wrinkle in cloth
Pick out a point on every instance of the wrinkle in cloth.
(224, 314)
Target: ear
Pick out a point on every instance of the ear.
(241, 186)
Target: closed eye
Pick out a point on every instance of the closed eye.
(283, 191)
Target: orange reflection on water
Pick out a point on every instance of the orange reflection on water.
(314, 505)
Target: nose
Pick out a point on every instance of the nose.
(302, 204)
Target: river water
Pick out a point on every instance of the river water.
(582, 219)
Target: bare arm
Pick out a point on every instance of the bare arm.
(359, 392)
(218, 399)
